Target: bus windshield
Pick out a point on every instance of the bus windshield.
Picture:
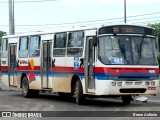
(128, 50)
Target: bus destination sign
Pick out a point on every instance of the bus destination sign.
(126, 29)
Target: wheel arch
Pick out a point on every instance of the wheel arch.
(22, 76)
(73, 82)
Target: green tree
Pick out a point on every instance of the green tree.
(156, 26)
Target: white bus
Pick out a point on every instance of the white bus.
(107, 61)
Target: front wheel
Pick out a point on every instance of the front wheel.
(126, 99)
(79, 93)
(26, 91)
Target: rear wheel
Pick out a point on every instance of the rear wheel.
(26, 91)
(126, 99)
(79, 93)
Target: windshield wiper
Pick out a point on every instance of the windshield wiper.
(140, 51)
(121, 48)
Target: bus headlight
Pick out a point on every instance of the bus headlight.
(147, 83)
(119, 83)
(113, 83)
(152, 83)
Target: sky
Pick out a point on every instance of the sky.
(46, 15)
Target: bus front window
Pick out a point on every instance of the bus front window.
(127, 50)
(109, 50)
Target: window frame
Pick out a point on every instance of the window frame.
(59, 48)
(27, 47)
(39, 44)
(82, 47)
(5, 52)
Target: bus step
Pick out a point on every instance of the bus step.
(47, 89)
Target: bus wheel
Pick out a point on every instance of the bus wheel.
(26, 91)
(79, 93)
(126, 99)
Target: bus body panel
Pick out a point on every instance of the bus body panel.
(104, 87)
(34, 76)
(4, 71)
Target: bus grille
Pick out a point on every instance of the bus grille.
(134, 78)
(129, 83)
(133, 90)
(138, 83)
(133, 83)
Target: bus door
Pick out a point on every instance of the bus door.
(46, 64)
(12, 64)
(89, 65)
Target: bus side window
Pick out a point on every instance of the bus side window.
(60, 44)
(34, 46)
(75, 43)
(23, 47)
(4, 48)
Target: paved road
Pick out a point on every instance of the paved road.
(11, 99)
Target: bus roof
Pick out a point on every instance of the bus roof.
(50, 32)
(106, 25)
(70, 30)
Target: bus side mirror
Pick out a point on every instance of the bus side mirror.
(94, 41)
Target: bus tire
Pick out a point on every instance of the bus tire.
(79, 93)
(26, 91)
(126, 99)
